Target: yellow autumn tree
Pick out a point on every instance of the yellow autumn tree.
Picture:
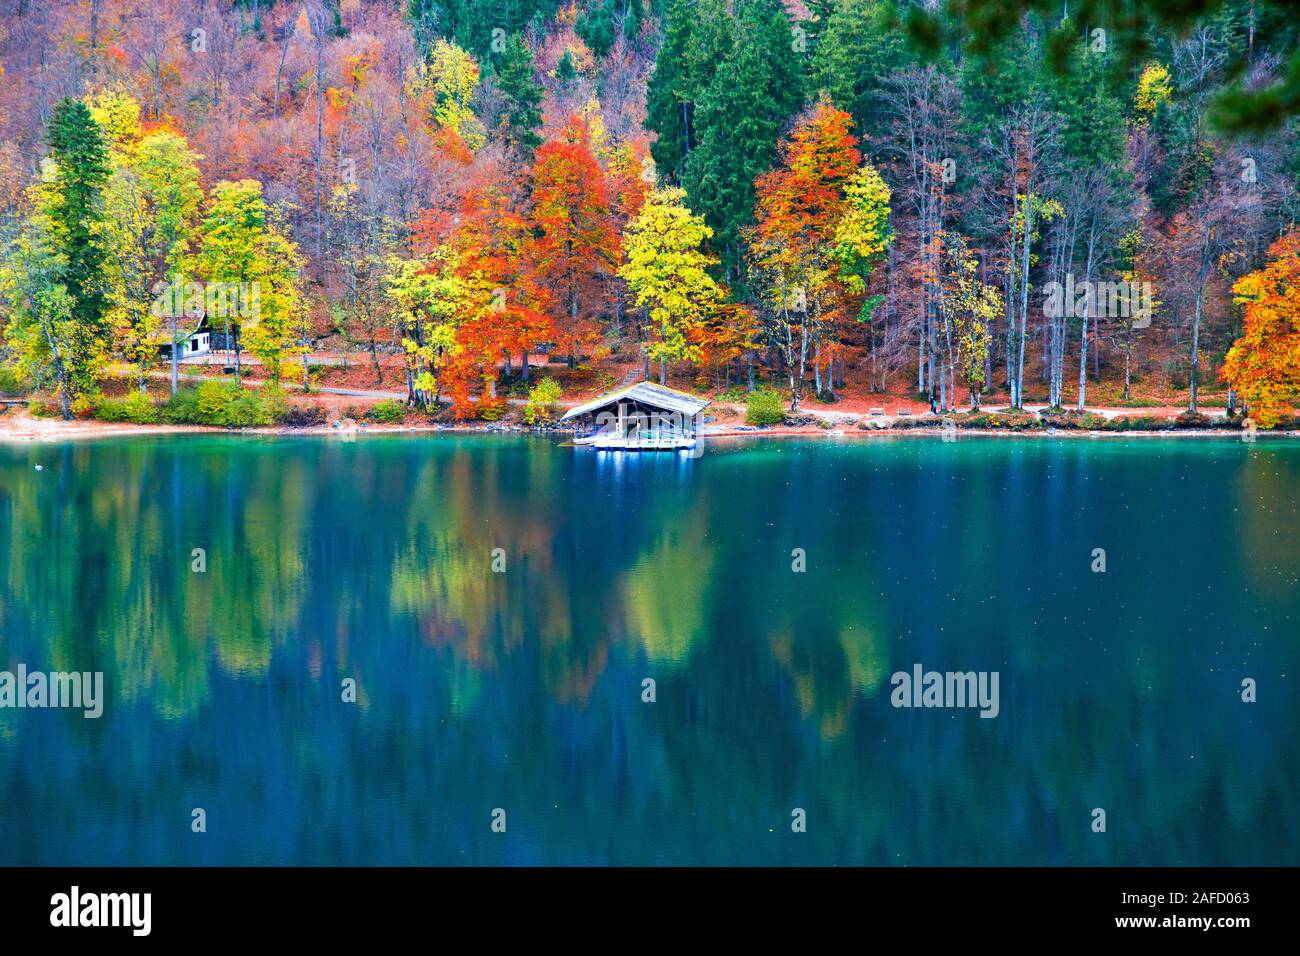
(1154, 88)
(117, 113)
(971, 305)
(668, 274)
(449, 80)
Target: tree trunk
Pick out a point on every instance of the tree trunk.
(1087, 312)
(1024, 303)
(1196, 348)
(175, 359)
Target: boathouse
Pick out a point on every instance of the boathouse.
(642, 417)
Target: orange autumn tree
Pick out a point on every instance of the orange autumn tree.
(793, 242)
(499, 265)
(1263, 366)
(503, 308)
(576, 248)
(723, 336)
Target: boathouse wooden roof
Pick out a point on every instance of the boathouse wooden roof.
(645, 393)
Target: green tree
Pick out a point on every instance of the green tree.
(42, 329)
(859, 47)
(738, 122)
(429, 298)
(863, 235)
(698, 38)
(517, 81)
(74, 206)
(253, 271)
(279, 311)
(151, 202)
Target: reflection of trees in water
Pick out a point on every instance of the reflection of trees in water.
(664, 593)
(1265, 491)
(523, 689)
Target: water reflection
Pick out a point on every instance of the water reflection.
(522, 687)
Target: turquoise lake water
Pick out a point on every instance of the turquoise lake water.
(522, 690)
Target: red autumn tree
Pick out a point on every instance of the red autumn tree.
(799, 204)
(499, 263)
(576, 248)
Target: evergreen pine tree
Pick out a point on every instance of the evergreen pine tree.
(81, 157)
(739, 119)
(518, 84)
(697, 40)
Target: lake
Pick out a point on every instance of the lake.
(500, 603)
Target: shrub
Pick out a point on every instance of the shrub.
(983, 420)
(247, 409)
(388, 412)
(213, 399)
(301, 416)
(1139, 423)
(136, 408)
(1190, 419)
(43, 408)
(542, 397)
(490, 410)
(13, 382)
(906, 424)
(225, 403)
(182, 408)
(764, 407)
(990, 421)
(275, 401)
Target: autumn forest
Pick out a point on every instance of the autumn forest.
(484, 208)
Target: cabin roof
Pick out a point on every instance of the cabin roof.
(187, 327)
(647, 393)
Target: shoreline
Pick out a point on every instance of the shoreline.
(25, 429)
